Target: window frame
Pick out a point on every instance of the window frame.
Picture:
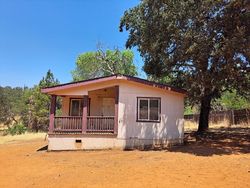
(138, 109)
(70, 106)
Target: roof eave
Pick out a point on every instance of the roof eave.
(51, 90)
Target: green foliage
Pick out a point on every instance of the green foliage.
(188, 110)
(26, 106)
(104, 63)
(17, 128)
(205, 42)
(48, 80)
(11, 104)
(228, 101)
(203, 46)
(36, 115)
(231, 101)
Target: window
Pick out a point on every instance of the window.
(148, 109)
(76, 106)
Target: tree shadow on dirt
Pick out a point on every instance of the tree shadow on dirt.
(219, 141)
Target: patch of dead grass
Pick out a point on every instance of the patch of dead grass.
(193, 126)
(22, 137)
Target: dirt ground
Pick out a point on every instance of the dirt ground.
(221, 158)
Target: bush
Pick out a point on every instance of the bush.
(17, 128)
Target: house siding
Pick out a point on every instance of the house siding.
(172, 106)
(65, 106)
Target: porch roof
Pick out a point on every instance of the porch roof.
(109, 78)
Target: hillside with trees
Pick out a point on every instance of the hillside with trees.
(26, 108)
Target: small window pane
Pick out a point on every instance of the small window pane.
(154, 109)
(143, 109)
(76, 107)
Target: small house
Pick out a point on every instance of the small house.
(116, 111)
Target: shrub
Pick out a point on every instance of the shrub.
(17, 128)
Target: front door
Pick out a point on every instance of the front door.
(108, 107)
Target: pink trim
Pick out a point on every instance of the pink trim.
(69, 130)
(52, 113)
(84, 113)
(153, 84)
(77, 84)
(112, 77)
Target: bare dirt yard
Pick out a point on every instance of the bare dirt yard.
(221, 158)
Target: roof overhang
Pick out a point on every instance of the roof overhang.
(52, 89)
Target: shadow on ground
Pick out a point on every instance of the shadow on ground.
(44, 148)
(219, 141)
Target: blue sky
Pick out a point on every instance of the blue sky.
(37, 35)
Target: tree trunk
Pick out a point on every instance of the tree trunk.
(204, 114)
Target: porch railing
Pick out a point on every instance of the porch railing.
(100, 124)
(95, 124)
(68, 123)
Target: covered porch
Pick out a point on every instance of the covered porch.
(95, 113)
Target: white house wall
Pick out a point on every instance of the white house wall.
(172, 106)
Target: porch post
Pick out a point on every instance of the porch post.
(84, 113)
(52, 113)
(116, 109)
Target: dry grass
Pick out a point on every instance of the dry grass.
(2, 126)
(193, 126)
(22, 137)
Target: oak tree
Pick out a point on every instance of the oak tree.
(104, 63)
(202, 45)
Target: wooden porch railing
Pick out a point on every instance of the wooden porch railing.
(68, 123)
(95, 124)
(100, 124)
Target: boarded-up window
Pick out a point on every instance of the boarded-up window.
(148, 109)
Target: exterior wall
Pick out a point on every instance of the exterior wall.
(172, 108)
(96, 101)
(65, 106)
(87, 143)
(95, 142)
